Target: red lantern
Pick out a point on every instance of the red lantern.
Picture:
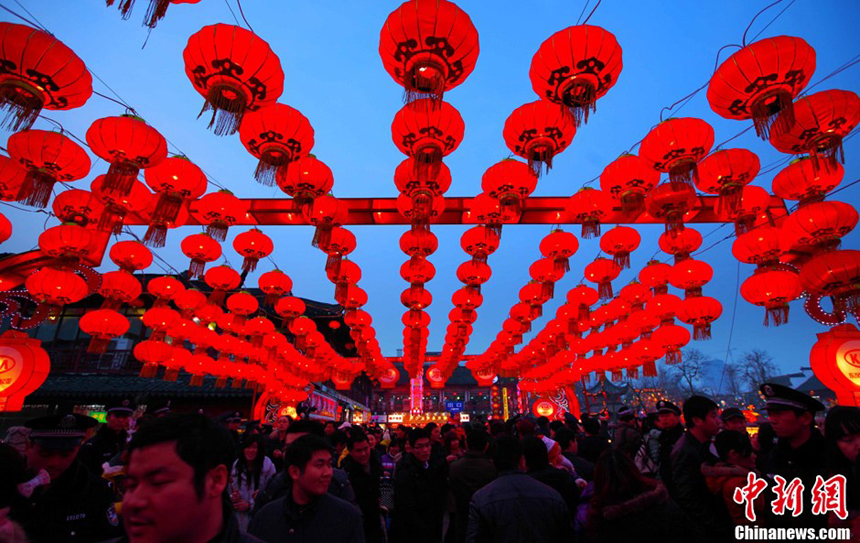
(164, 288)
(77, 206)
(819, 224)
(663, 307)
(691, 275)
(347, 273)
(676, 145)
(26, 367)
(700, 312)
(589, 206)
(39, 71)
(156, 234)
(274, 284)
(5, 228)
(670, 202)
(772, 289)
(583, 297)
(422, 184)
(56, 288)
(479, 242)
(242, 305)
(416, 298)
(628, 179)
(12, 176)
(760, 81)
(421, 243)
(152, 354)
(545, 272)
(417, 271)
(289, 307)
(474, 274)
(200, 248)
(602, 271)
(753, 207)
(325, 212)
(353, 297)
(682, 244)
(306, 179)
(418, 211)
(488, 211)
(760, 246)
(671, 338)
(341, 244)
(66, 242)
(428, 47)
(48, 157)
(835, 274)
(176, 180)
(427, 130)
(560, 246)
(276, 136)
(635, 294)
(510, 182)
(118, 287)
(620, 242)
(130, 256)
(801, 181)
(117, 206)
(208, 313)
(235, 71)
(189, 301)
(538, 131)
(103, 325)
(575, 67)
(726, 173)
(467, 300)
(128, 144)
(534, 295)
(656, 276)
(253, 245)
(219, 211)
(221, 279)
(821, 121)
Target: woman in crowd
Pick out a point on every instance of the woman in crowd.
(251, 471)
(842, 438)
(453, 446)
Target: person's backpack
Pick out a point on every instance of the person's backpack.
(644, 460)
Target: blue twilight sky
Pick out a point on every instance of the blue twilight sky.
(328, 51)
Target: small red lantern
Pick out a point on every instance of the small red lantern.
(274, 284)
(682, 244)
(576, 66)
(479, 242)
(325, 212)
(235, 71)
(117, 206)
(56, 288)
(589, 206)
(289, 307)
(772, 289)
(663, 307)
(417, 271)
(635, 294)
(347, 273)
(422, 184)
(418, 211)
(422, 243)
(488, 211)
(128, 144)
(583, 297)
(176, 180)
(48, 157)
(306, 179)
(801, 181)
(628, 179)
(726, 173)
(189, 301)
(751, 209)
(510, 182)
(427, 130)
(200, 248)
(428, 47)
(547, 273)
(221, 279)
(671, 338)
(760, 246)
(835, 274)
(474, 274)
(416, 298)
(242, 304)
(153, 354)
(39, 71)
(103, 325)
(656, 276)
(253, 245)
(670, 202)
(675, 146)
(66, 242)
(700, 312)
(353, 297)
(691, 275)
(538, 131)
(118, 287)
(276, 136)
(341, 243)
(77, 206)
(560, 246)
(130, 256)
(620, 242)
(602, 271)
(164, 288)
(219, 211)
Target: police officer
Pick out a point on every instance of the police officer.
(111, 438)
(798, 451)
(671, 430)
(63, 502)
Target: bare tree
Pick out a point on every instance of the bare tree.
(756, 367)
(692, 369)
(732, 379)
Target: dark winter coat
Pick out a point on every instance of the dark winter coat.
(650, 517)
(667, 440)
(468, 475)
(279, 485)
(562, 482)
(366, 487)
(516, 508)
(583, 467)
(326, 519)
(419, 501)
(101, 448)
(590, 447)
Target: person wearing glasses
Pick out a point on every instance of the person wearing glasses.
(420, 491)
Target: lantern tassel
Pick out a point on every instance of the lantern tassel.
(196, 380)
(702, 331)
(633, 373)
(674, 224)
(683, 174)
(155, 235)
(217, 230)
(730, 198)
(266, 169)
(547, 289)
(633, 203)
(227, 106)
(537, 311)
(772, 112)
(673, 356)
(217, 297)
(120, 178)
(271, 298)
(322, 236)
(125, 7)
(479, 258)
(167, 208)
(197, 268)
(155, 12)
(22, 105)
(38, 187)
(584, 312)
(622, 259)
(649, 369)
(604, 290)
(98, 345)
(250, 263)
(332, 264)
(778, 314)
(590, 228)
(170, 375)
(562, 264)
(617, 375)
(540, 158)
(510, 204)
(111, 219)
(580, 97)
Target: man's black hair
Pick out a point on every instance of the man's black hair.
(556, 425)
(356, 435)
(305, 426)
(591, 426)
(564, 437)
(732, 440)
(430, 426)
(418, 433)
(338, 437)
(542, 421)
(447, 427)
(699, 407)
(535, 453)
(201, 443)
(477, 440)
(508, 453)
(302, 450)
(498, 427)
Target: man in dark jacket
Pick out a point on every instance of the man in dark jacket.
(176, 490)
(60, 500)
(671, 430)
(538, 468)
(468, 475)
(707, 512)
(627, 436)
(798, 452)
(420, 489)
(111, 438)
(593, 443)
(566, 439)
(516, 508)
(308, 512)
(365, 475)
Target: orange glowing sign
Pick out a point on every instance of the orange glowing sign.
(544, 408)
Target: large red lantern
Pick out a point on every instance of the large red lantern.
(671, 338)
(428, 47)
(164, 288)
(676, 145)
(801, 181)
(235, 71)
(628, 179)
(67, 242)
(726, 173)
(242, 304)
(670, 202)
(560, 246)
(221, 279)
(78, 206)
(752, 209)
(274, 284)
(427, 130)
(691, 275)
(538, 131)
(588, 207)
(219, 211)
(510, 182)
(12, 176)
(200, 248)
(5, 228)
(417, 271)
(56, 288)
(835, 274)
(773, 290)
(176, 180)
(820, 225)
(253, 245)
(39, 71)
(153, 354)
(47, 157)
(576, 66)
(682, 244)
(583, 297)
(821, 121)
(620, 242)
(306, 179)
(118, 287)
(700, 312)
(655, 275)
(117, 206)
(760, 246)
(130, 256)
(128, 144)
(547, 273)
(341, 243)
(276, 136)
(760, 81)
(103, 325)
(474, 274)
(602, 271)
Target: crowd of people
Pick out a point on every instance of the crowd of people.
(672, 475)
